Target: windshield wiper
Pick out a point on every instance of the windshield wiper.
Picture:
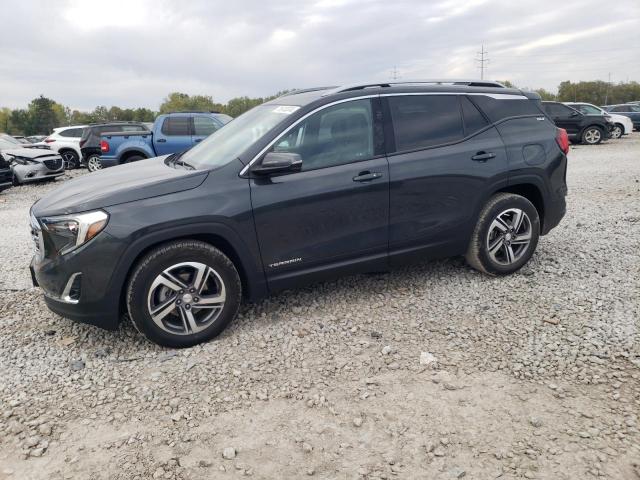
(174, 159)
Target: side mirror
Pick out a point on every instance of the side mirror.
(277, 163)
(574, 114)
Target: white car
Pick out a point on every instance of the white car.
(622, 125)
(66, 141)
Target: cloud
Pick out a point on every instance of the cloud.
(134, 52)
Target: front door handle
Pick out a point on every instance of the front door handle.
(161, 140)
(198, 140)
(366, 176)
(483, 156)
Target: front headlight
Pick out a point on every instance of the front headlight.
(68, 232)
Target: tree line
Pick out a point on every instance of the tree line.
(43, 114)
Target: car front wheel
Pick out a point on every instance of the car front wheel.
(93, 163)
(183, 293)
(505, 236)
(71, 159)
(617, 131)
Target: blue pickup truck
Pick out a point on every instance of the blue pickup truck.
(171, 133)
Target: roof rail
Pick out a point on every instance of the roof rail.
(461, 82)
(192, 111)
(307, 90)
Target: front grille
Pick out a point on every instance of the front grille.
(53, 164)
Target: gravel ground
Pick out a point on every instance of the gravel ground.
(433, 371)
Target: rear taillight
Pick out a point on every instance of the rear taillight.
(49, 140)
(563, 140)
(104, 146)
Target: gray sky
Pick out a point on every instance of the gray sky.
(130, 53)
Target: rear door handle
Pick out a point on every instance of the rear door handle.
(161, 140)
(366, 176)
(198, 140)
(483, 156)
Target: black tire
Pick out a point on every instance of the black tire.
(93, 162)
(133, 158)
(478, 254)
(71, 159)
(14, 180)
(617, 132)
(592, 135)
(167, 256)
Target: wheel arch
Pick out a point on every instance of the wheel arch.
(221, 237)
(127, 154)
(531, 192)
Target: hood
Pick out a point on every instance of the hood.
(31, 153)
(115, 185)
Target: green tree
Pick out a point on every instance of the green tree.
(42, 117)
(177, 102)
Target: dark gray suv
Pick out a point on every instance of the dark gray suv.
(315, 184)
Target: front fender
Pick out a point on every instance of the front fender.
(213, 232)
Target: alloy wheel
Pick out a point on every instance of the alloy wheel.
(69, 160)
(592, 135)
(616, 132)
(186, 298)
(94, 164)
(509, 236)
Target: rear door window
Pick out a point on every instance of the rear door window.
(421, 121)
(176, 126)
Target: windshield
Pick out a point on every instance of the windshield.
(235, 137)
(10, 139)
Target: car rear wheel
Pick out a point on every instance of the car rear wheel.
(133, 158)
(617, 131)
(592, 135)
(505, 236)
(183, 293)
(71, 159)
(93, 162)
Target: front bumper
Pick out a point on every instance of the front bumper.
(77, 285)
(35, 173)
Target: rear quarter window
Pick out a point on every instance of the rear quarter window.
(71, 132)
(498, 108)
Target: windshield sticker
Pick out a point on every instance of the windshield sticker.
(287, 110)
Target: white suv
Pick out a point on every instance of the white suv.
(66, 141)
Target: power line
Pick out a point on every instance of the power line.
(482, 60)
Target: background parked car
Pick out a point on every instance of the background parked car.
(22, 139)
(621, 125)
(66, 141)
(171, 133)
(628, 110)
(589, 129)
(6, 174)
(90, 141)
(36, 138)
(30, 164)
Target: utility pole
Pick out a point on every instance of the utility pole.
(394, 73)
(482, 60)
(606, 95)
